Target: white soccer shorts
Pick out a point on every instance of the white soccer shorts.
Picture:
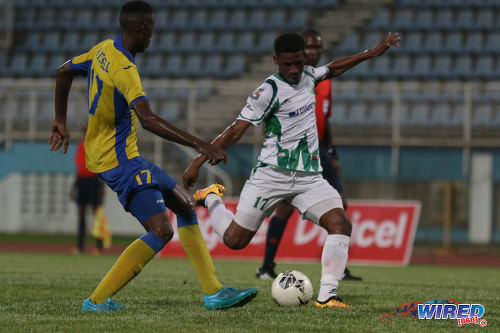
(309, 192)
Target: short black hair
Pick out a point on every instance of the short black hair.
(130, 8)
(311, 32)
(289, 42)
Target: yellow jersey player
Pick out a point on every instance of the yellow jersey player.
(116, 102)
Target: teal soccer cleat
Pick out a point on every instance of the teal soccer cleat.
(107, 306)
(227, 297)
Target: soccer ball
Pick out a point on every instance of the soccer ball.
(292, 288)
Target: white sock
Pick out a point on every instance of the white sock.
(220, 216)
(333, 262)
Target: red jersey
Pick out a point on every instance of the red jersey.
(323, 105)
(81, 168)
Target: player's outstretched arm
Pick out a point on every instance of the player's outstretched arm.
(59, 135)
(226, 139)
(338, 67)
(155, 124)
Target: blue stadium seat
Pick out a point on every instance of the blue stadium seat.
(440, 115)
(186, 42)
(453, 42)
(493, 42)
(348, 44)
(484, 67)
(444, 19)
(51, 42)
(69, 42)
(170, 111)
(166, 42)
(173, 67)
(442, 67)
(463, 67)
(213, 65)
(402, 67)
(33, 39)
(83, 19)
(419, 115)
(380, 21)
(422, 67)
(381, 66)
(379, 115)
(24, 19)
(54, 62)
(225, 42)
(245, 43)
(266, 42)
(370, 39)
(433, 42)
(206, 42)
(153, 66)
(65, 18)
(218, 19)
(277, 19)
(299, 19)
(89, 39)
(18, 65)
(179, 20)
(46, 19)
(482, 115)
(161, 19)
(199, 19)
(457, 117)
(234, 66)
(357, 115)
(485, 19)
(413, 42)
(339, 113)
(237, 20)
(474, 42)
(363, 70)
(193, 65)
(257, 20)
(105, 19)
(37, 65)
(464, 19)
(424, 19)
(403, 19)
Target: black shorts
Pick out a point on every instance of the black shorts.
(329, 171)
(88, 191)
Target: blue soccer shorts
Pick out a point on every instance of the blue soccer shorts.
(139, 185)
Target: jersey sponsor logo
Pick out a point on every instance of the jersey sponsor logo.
(302, 110)
(256, 94)
(102, 60)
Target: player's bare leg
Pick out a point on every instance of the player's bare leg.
(334, 256)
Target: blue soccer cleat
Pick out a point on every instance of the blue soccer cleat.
(107, 306)
(227, 297)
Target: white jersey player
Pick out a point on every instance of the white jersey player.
(288, 167)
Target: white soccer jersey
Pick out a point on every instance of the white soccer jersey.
(288, 112)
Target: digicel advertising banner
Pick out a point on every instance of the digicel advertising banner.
(382, 233)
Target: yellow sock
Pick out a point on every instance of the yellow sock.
(196, 249)
(128, 265)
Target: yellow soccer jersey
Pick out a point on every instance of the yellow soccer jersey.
(114, 86)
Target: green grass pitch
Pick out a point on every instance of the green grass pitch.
(44, 292)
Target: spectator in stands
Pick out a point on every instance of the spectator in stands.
(313, 47)
(87, 191)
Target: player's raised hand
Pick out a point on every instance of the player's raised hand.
(214, 153)
(190, 175)
(382, 46)
(59, 137)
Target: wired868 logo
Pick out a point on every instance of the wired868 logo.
(439, 309)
